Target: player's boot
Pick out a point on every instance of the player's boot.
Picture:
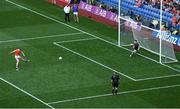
(17, 69)
(27, 60)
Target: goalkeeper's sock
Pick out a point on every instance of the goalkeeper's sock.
(113, 91)
(116, 92)
(131, 55)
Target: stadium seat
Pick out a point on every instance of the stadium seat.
(145, 11)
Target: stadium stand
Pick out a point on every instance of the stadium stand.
(150, 11)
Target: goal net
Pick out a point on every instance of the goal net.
(151, 41)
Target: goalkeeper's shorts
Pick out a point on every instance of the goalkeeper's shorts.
(115, 84)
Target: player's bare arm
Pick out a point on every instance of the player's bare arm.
(22, 53)
(12, 52)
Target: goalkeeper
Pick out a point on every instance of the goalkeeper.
(136, 47)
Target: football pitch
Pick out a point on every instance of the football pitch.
(82, 78)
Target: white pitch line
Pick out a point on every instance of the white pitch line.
(42, 37)
(76, 40)
(93, 61)
(177, 70)
(50, 18)
(168, 76)
(154, 60)
(11, 84)
(126, 45)
(143, 79)
(110, 94)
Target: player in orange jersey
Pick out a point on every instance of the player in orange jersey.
(18, 57)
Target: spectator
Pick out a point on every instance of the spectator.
(130, 14)
(174, 11)
(178, 24)
(154, 24)
(113, 10)
(163, 27)
(138, 18)
(174, 20)
(175, 31)
(139, 3)
(93, 2)
(178, 15)
(167, 8)
(102, 5)
(146, 2)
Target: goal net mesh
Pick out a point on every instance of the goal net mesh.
(148, 39)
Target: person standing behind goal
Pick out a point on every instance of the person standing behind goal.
(75, 12)
(67, 12)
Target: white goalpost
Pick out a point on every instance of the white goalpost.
(119, 23)
(151, 40)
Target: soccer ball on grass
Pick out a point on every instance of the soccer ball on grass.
(60, 58)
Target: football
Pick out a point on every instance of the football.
(60, 58)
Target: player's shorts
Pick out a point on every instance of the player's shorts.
(17, 57)
(115, 84)
(75, 13)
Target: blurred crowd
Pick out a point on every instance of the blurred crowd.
(169, 6)
(102, 5)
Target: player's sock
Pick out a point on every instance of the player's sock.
(17, 69)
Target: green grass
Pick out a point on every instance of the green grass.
(11, 97)
(49, 79)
